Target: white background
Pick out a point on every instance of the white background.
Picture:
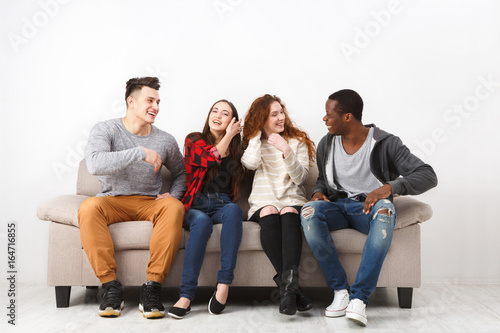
(422, 68)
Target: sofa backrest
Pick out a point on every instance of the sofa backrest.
(89, 185)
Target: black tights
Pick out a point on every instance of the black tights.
(281, 239)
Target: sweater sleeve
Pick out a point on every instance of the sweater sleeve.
(199, 153)
(418, 177)
(99, 157)
(175, 164)
(297, 164)
(321, 185)
(251, 158)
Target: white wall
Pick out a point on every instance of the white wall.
(421, 67)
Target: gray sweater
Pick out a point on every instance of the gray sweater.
(117, 157)
(390, 159)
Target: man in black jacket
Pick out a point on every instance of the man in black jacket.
(360, 169)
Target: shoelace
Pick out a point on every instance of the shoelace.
(111, 295)
(152, 296)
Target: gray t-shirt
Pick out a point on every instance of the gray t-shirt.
(351, 173)
(117, 157)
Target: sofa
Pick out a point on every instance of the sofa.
(68, 264)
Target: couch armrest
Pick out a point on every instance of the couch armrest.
(410, 211)
(62, 209)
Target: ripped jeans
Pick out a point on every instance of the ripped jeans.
(320, 217)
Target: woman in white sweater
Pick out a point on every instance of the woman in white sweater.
(280, 154)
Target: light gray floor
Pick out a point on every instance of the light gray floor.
(436, 308)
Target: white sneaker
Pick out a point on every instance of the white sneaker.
(356, 311)
(339, 304)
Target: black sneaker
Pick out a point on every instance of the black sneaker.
(112, 299)
(149, 302)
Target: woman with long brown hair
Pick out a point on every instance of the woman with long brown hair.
(213, 177)
(281, 154)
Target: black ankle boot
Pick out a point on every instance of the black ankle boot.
(288, 303)
(304, 303)
(279, 282)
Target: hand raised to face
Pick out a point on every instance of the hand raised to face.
(234, 127)
(278, 142)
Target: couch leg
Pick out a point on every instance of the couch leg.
(62, 296)
(404, 297)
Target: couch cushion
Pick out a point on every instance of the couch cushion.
(410, 211)
(62, 209)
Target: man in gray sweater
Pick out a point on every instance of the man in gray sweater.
(360, 169)
(127, 154)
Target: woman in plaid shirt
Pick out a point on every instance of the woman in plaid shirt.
(213, 175)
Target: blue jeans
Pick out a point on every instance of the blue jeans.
(320, 217)
(207, 210)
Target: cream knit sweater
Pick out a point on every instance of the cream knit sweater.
(277, 181)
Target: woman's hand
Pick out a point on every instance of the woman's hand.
(233, 128)
(279, 143)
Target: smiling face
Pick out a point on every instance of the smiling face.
(333, 120)
(220, 117)
(144, 105)
(275, 122)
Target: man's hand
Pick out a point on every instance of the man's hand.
(164, 195)
(279, 143)
(376, 195)
(153, 158)
(319, 196)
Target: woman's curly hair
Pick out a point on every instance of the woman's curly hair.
(256, 118)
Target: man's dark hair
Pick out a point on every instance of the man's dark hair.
(137, 83)
(348, 101)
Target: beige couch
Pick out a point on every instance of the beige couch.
(68, 265)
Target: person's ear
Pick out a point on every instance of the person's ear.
(130, 101)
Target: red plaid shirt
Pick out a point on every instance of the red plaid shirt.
(198, 157)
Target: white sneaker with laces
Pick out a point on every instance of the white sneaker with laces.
(356, 311)
(339, 304)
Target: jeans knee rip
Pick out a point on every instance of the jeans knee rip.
(383, 213)
(307, 212)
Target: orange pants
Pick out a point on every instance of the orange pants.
(96, 213)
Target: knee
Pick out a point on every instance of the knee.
(268, 210)
(172, 205)
(234, 211)
(384, 209)
(88, 208)
(308, 210)
(289, 210)
(201, 223)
